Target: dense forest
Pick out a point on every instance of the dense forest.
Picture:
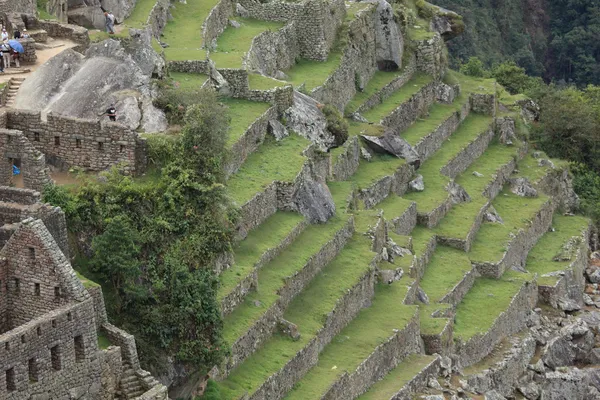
(555, 39)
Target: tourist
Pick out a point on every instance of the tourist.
(4, 36)
(2, 58)
(111, 112)
(24, 34)
(15, 57)
(5, 55)
(109, 21)
(17, 34)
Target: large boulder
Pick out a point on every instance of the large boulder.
(390, 143)
(306, 119)
(88, 17)
(522, 187)
(313, 199)
(389, 42)
(84, 86)
(565, 385)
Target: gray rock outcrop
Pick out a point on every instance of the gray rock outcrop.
(417, 184)
(277, 130)
(89, 14)
(388, 39)
(390, 143)
(306, 119)
(81, 86)
(312, 197)
(522, 187)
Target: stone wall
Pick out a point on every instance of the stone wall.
(257, 210)
(19, 196)
(483, 103)
(89, 144)
(430, 56)
(408, 112)
(521, 243)
(216, 22)
(61, 349)
(405, 223)
(467, 155)
(419, 381)
(15, 147)
(250, 141)
(190, 67)
(381, 189)
(432, 218)
(18, 6)
(262, 329)
(420, 261)
(508, 323)
(431, 143)
(159, 16)
(233, 299)
(440, 343)
(356, 66)
(383, 359)
(456, 294)
(345, 164)
(273, 51)
(77, 34)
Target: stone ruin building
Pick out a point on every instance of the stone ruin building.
(50, 319)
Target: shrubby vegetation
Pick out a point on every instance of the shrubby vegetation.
(155, 239)
(336, 124)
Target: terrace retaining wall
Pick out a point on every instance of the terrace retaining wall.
(273, 51)
(408, 112)
(419, 381)
(440, 343)
(466, 156)
(405, 223)
(380, 190)
(216, 22)
(346, 163)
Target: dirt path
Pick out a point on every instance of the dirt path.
(56, 46)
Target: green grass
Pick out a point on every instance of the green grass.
(435, 183)
(379, 80)
(103, 341)
(243, 113)
(248, 252)
(430, 325)
(393, 206)
(566, 229)
(361, 128)
(379, 166)
(486, 300)
(140, 13)
(308, 310)
(458, 222)
(529, 168)
(406, 92)
(354, 8)
(187, 81)
(313, 73)
(421, 238)
(372, 327)
(438, 113)
(492, 239)
(260, 82)
(272, 161)
(87, 283)
(386, 388)
(183, 32)
(445, 270)
(234, 43)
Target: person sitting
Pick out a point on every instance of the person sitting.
(24, 34)
(111, 112)
(17, 34)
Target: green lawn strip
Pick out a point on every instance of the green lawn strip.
(458, 222)
(234, 43)
(411, 87)
(313, 73)
(438, 113)
(402, 241)
(493, 238)
(530, 169)
(248, 252)
(183, 32)
(103, 341)
(421, 238)
(445, 270)
(187, 81)
(379, 80)
(493, 296)
(540, 259)
(470, 84)
(261, 82)
(139, 15)
(309, 311)
(272, 161)
(393, 206)
(243, 113)
(386, 388)
(370, 172)
(372, 327)
(435, 183)
(356, 128)
(429, 324)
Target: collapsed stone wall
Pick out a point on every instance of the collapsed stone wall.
(92, 145)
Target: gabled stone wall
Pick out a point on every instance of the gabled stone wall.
(14, 145)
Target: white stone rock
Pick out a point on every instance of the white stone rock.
(417, 184)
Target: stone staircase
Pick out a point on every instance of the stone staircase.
(13, 87)
(131, 385)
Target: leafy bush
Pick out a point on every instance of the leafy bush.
(474, 67)
(586, 184)
(211, 392)
(336, 124)
(162, 149)
(514, 78)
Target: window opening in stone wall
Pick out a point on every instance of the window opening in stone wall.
(78, 143)
(100, 146)
(23, 339)
(36, 136)
(79, 348)
(54, 323)
(122, 148)
(55, 357)
(57, 140)
(6, 346)
(69, 317)
(10, 380)
(57, 292)
(17, 285)
(39, 331)
(32, 253)
(33, 370)
(37, 289)
(8, 138)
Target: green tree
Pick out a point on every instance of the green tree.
(514, 79)
(474, 67)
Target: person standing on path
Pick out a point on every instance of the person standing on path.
(6, 55)
(4, 35)
(111, 112)
(109, 21)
